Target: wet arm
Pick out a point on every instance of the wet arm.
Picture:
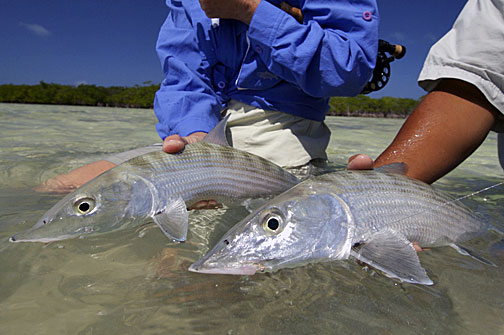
(67, 182)
(443, 130)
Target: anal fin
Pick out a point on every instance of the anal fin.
(393, 254)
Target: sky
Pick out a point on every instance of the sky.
(112, 42)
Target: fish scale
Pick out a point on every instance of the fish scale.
(401, 205)
(204, 164)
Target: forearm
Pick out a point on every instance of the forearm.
(185, 112)
(443, 130)
(186, 102)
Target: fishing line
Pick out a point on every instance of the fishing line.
(477, 192)
(455, 200)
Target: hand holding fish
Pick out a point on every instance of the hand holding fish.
(158, 187)
(175, 143)
(360, 162)
(364, 162)
(241, 10)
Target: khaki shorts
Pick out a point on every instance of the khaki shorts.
(287, 140)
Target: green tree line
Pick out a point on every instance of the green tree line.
(143, 97)
(363, 105)
(87, 95)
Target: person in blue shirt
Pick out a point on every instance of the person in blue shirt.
(271, 71)
(271, 65)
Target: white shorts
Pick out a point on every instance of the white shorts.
(472, 51)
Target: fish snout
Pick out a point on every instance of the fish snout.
(29, 236)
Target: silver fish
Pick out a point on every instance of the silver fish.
(369, 215)
(159, 187)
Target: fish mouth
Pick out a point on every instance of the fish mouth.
(218, 261)
(28, 236)
(242, 270)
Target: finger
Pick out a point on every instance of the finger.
(295, 12)
(173, 144)
(194, 137)
(418, 248)
(199, 205)
(205, 204)
(360, 162)
(212, 204)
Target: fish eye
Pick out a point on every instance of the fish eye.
(273, 221)
(84, 206)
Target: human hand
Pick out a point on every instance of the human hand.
(175, 143)
(360, 162)
(241, 10)
(68, 182)
(294, 11)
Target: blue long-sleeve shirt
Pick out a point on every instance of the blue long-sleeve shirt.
(274, 63)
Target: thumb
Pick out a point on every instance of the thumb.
(360, 162)
(173, 144)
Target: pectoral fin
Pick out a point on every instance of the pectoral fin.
(173, 220)
(393, 254)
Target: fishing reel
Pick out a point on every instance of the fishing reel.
(381, 72)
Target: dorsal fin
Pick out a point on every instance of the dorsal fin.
(218, 134)
(397, 168)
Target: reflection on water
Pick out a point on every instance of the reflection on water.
(134, 281)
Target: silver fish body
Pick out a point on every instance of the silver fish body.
(158, 186)
(372, 216)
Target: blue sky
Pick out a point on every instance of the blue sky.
(111, 42)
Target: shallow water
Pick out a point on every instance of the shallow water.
(136, 282)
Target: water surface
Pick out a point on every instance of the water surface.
(136, 282)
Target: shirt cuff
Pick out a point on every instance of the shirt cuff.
(264, 26)
(193, 125)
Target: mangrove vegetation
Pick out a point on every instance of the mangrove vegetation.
(143, 97)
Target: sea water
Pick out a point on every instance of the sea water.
(136, 282)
